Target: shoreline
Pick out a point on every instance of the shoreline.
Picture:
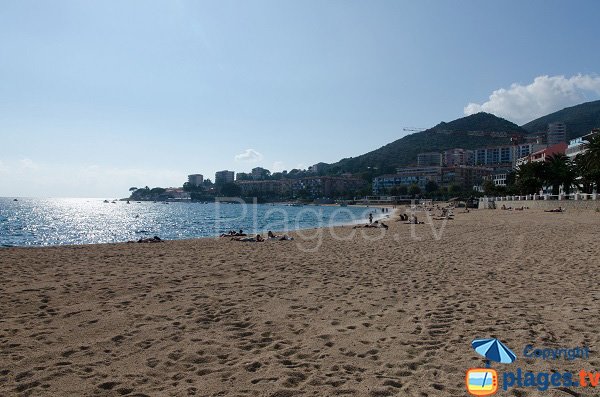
(378, 216)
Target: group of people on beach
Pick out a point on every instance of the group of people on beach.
(504, 207)
(413, 219)
(243, 237)
(559, 209)
(375, 224)
(233, 233)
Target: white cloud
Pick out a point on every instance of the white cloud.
(28, 164)
(249, 155)
(546, 94)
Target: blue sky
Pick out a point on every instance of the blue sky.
(96, 97)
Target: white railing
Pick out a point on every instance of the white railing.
(574, 196)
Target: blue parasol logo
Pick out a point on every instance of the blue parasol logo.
(493, 350)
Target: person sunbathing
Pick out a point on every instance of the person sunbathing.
(414, 221)
(559, 209)
(258, 238)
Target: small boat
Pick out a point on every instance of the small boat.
(106, 201)
(15, 200)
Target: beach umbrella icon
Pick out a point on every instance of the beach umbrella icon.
(494, 350)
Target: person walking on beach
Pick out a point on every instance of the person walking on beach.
(370, 217)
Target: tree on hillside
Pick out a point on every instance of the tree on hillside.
(157, 190)
(231, 190)
(489, 189)
(400, 190)
(414, 190)
(431, 187)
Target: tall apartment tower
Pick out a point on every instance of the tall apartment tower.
(557, 133)
(430, 159)
(195, 179)
(224, 176)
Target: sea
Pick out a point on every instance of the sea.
(60, 221)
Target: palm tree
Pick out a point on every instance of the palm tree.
(592, 154)
(558, 172)
(529, 178)
(590, 161)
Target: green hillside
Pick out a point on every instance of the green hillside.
(579, 119)
(468, 133)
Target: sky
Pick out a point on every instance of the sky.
(100, 96)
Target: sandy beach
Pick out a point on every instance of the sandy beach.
(360, 315)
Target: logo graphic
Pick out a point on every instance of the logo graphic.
(484, 381)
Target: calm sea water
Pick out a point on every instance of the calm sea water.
(31, 222)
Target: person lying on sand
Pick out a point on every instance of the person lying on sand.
(375, 224)
(559, 209)
(233, 233)
(414, 221)
(258, 239)
(154, 239)
(272, 236)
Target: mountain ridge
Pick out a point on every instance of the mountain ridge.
(579, 119)
(468, 132)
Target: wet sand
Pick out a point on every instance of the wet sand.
(359, 316)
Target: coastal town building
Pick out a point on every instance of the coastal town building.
(542, 155)
(463, 176)
(260, 173)
(457, 157)
(326, 186)
(242, 176)
(498, 179)
(504, 156)
(430, 159)
(175, 193)
(263, 188)
(224, 177)
(195, 179)
(577, 146)
(407, 176)
(314, 186)
(557, 133)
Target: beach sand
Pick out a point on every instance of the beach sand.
(357, 317)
